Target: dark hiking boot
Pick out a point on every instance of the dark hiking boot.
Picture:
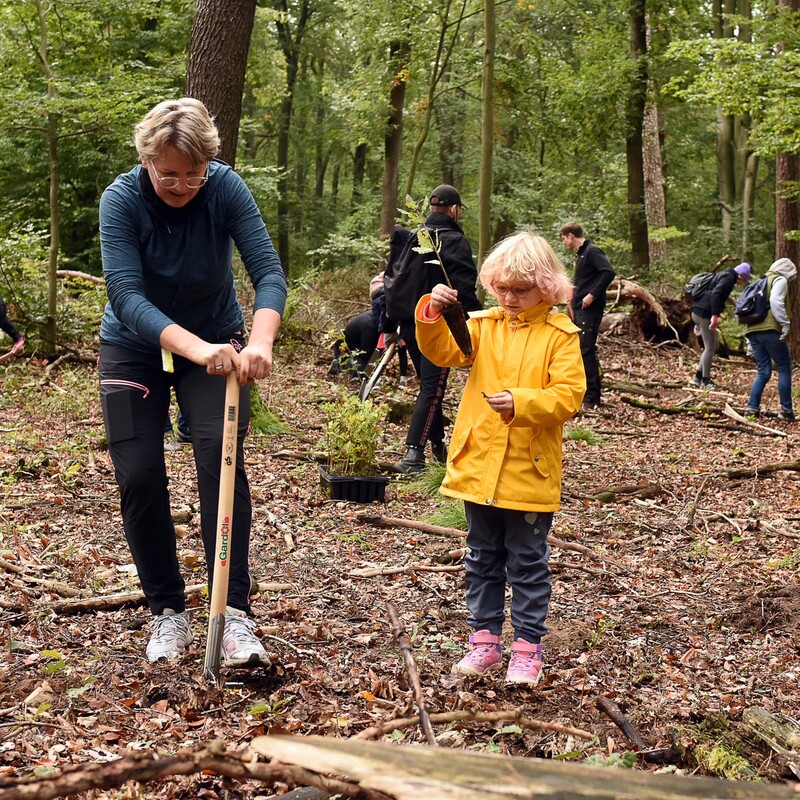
(412, 462)
(439, 452)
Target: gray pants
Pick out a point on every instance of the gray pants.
(710, 341)
(506, 545)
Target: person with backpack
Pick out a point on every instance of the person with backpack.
(409, 276)
(708, 303)
(526, 381)
(767, 339)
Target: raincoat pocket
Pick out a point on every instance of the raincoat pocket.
(539, 457)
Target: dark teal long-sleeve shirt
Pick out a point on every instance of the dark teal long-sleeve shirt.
(165, 265)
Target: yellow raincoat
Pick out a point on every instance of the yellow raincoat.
(536, 356)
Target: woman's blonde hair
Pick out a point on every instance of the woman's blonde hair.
(529, 259)
(184, 124)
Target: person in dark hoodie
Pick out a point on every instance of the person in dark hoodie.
(427, 421)
(167, 231)
(593, 274)
(706, 311)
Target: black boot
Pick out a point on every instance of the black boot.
(439, 451)
(412, 462)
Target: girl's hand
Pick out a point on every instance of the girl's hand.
(218, 359)
(255, 361)
(441, 296)
(502, 403)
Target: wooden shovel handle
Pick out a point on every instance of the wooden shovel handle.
(227, 479)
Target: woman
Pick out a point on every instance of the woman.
(767, 339)
(706, 310)
(167, 230)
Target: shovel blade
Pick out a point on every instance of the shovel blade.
(216, 627)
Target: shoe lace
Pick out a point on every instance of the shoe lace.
(240, 627)
(166, 627)
(482, 653)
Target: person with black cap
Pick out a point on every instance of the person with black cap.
(427, 421)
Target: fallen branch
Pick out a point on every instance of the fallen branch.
(611, 709)
(468, 715)
(404, 643)
(632, 401)
(640, 490)
(147, 766)
(627, 387)
(372, 572)
(82, 276)
(729, 412)
(763, 469)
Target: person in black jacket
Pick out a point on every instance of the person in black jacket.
(8, 326)
(593, 274)
(706, 309)
(427, 422)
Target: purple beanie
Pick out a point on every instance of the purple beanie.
(744, 270)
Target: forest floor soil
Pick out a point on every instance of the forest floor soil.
(686, 617)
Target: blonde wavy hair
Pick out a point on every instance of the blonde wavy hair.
(529, 259)
(184, 124)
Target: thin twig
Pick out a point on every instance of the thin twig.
(404, 643)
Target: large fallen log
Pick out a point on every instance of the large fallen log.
(411, 773)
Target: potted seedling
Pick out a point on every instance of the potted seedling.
(351, 441)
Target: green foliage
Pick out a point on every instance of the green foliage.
(351, 436)
(429, 480)
(582, 434)
(626, 760)
(450, 514)
(262, 420)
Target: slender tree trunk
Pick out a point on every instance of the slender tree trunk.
(443, 53)
(393, 140)
(726, 169)
(654, 198)
(637, 95)
(748, 202)
(487, 133)
(359, 168)
(217, 63)
(51, 330)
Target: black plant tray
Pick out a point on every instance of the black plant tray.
(357, 489)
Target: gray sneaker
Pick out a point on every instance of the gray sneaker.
(240, 645)
(171, 635)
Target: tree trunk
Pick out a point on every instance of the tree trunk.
(51, 331)
(443, 53)
(654, 198)
(487, 133)
(217, 63)
(290, 45)
(748, 203)
(746, 160)
(726, 170)
(787, 218)
(359, 168)
(399, 52)
(634, 117)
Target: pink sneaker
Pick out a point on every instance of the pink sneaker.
(525, 665)
(18, 347)
(485, 655)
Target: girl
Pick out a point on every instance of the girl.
(526, 380)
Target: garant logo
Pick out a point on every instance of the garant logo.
(225, 532)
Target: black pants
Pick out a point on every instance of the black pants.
(427, 421)
(588, 320)
(6, 324)
(135, 394)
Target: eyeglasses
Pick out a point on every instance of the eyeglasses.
(503, 289)
(171, 182)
